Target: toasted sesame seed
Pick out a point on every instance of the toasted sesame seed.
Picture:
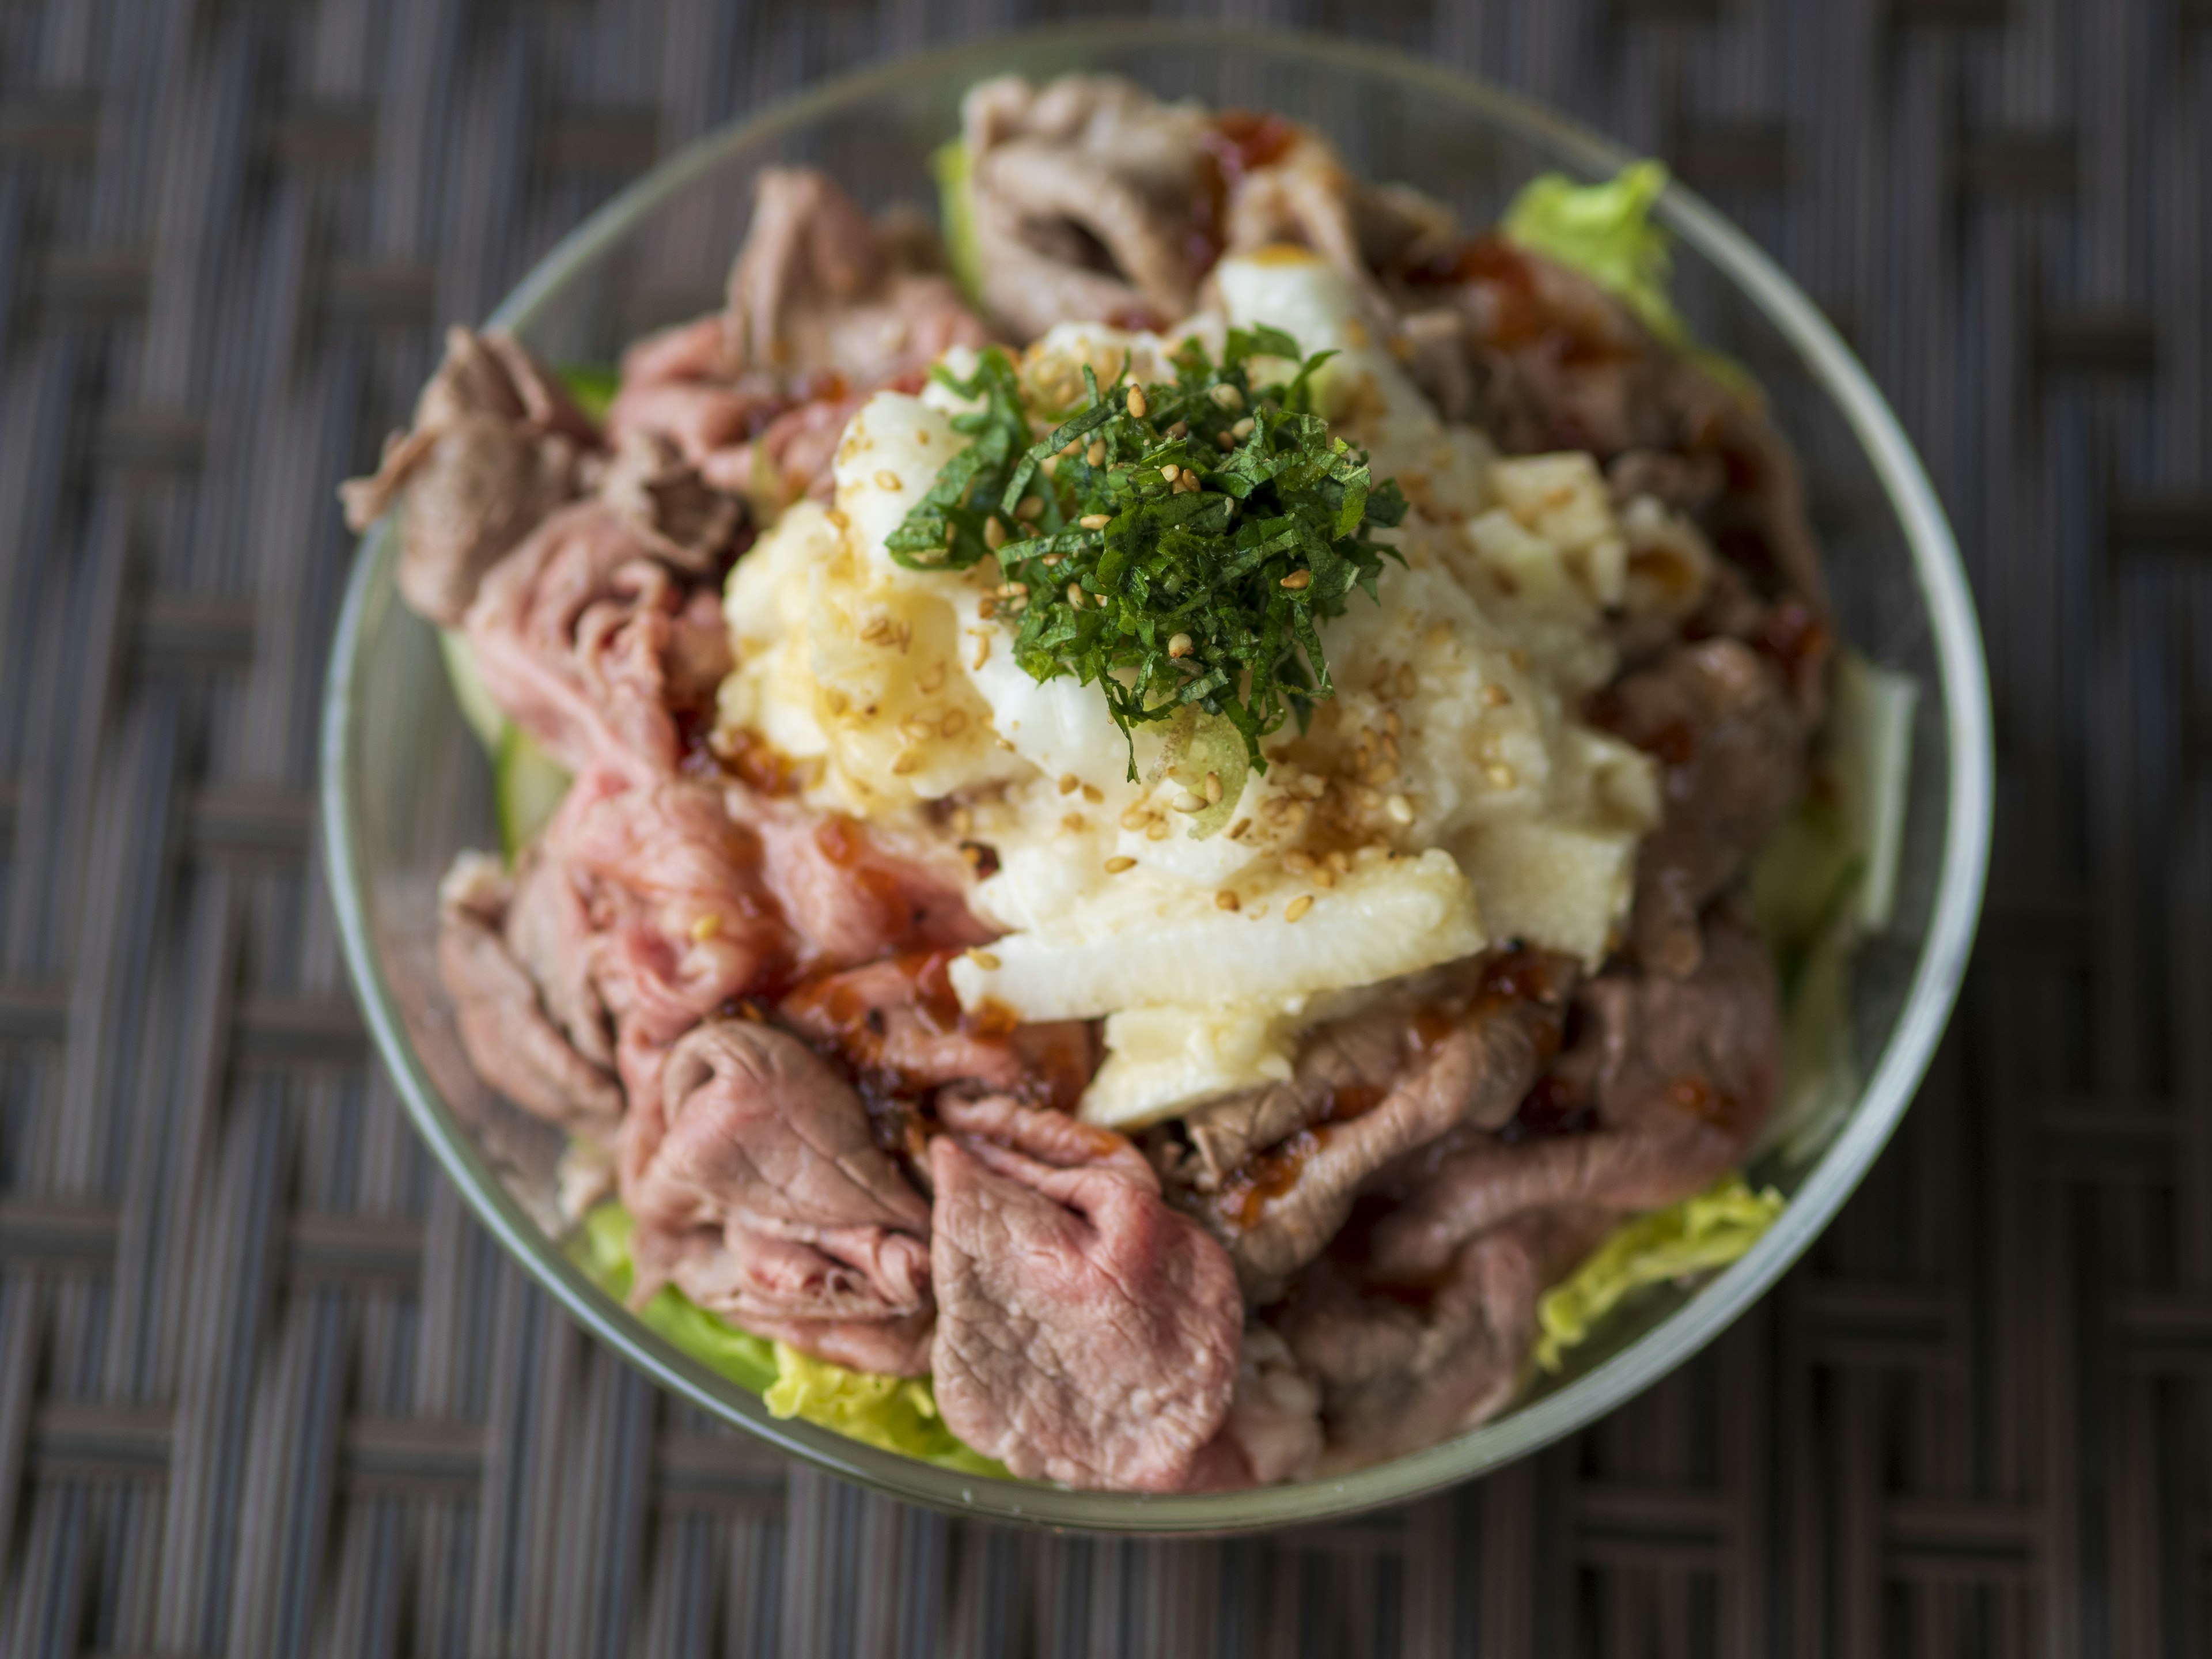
(887, 480)
(1029, 508)
(1137, 405)
(995, 533)
(985, 961)
(1069, 783)
(1118, 863)
(1224, 900)
(1340, 862)
(982, 651)
(932, 679)
(1170, 472)
(1156, 830)
(837, 517)
(1135, 818)
(1298, 580)
(1095, 520)
(1237, 830)
(1324, 877)
(906, 763)
(1073, 823)
(1093, 793)
(706, 927)
(1298, 907)
(987, 606)
(1298, 864)
(1187, 802)
(919, 727)
(1179, 646)
(1180, 429)
(1096, 453)
(1213, 787)
(954, 723)
(1075, 596)
(1399, 810)
(1243, 428)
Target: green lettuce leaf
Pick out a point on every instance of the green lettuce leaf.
(592, 385)
(1605, 231)
(956, 213)
(896, 1414)
(1700, 1233)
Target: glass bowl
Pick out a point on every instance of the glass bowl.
(405, 786)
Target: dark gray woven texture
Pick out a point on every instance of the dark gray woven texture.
(264, 1388)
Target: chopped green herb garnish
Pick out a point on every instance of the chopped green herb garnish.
(1178, 550)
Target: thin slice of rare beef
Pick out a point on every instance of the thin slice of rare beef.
(594, 646)
(820, 290)
(757, 1189)
(1731, 742)
(679, 922)
(1273, 1433)
(495, 445)
(1401, 1365)
(852, 893)
(1091, 201)
(1085, 1332)
(514, 1032)
(825, 306)
(1674, 1076)
(897, 1025)
(1366, 1092)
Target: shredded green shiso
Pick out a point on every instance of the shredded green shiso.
(1176, 545)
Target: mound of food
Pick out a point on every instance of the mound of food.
(1157, 836)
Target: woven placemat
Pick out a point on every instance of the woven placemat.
(265, 1389)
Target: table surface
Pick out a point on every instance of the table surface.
(266, 1387)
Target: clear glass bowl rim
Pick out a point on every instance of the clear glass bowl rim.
(1891, 1082)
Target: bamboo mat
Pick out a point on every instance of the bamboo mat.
(265, 1389)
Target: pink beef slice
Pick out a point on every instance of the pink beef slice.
(1731, 741)
(1399, 1368)
(679, 924)
(1275, 1431)
(1085, 1333)
(594, 646)
(1276, 1173)
(819, 289)
(515, 1033)
(496, 445)
(1677, 1074)
(757, 1190)
(852, 895)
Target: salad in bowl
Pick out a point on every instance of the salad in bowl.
(1162, 837)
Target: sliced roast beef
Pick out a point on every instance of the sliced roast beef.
(1273, 1433)
(1401, 1365)
(848, 896)
(1365, 1093)
(685, 520)
(750, 1282)
(514, 1034)
(818, 289)
(679, 921)
(1732, 747)
(495, 445)
(900, 1028)
(1092, 201)
(1675, 1076)
(755, 1185)
(594, 646)
(1085, 1332)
